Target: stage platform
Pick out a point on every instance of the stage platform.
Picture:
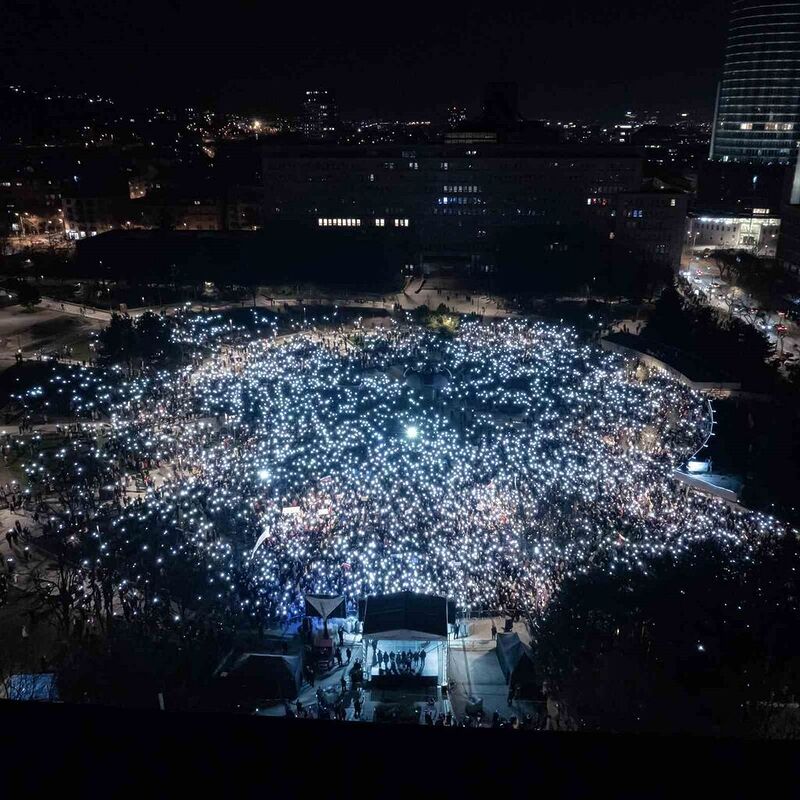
(388, 675)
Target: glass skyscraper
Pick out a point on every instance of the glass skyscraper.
(757, 115)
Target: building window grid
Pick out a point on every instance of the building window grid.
(338, 222)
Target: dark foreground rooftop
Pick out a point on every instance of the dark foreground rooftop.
(75, 749)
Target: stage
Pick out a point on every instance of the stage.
(402, 663)
(405, 640)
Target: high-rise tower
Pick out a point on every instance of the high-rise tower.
(320, 114)
(757, 115)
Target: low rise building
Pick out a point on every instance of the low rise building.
(451, 195)
(456, 196)
(757, 232)
(649, 225)
(177, 210)
(89, 212)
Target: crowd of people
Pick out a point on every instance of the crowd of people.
(270, 467)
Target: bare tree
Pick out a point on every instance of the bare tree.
(61, 589)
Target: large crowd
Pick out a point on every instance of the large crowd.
(487, 465)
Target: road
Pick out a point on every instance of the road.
(722, 295)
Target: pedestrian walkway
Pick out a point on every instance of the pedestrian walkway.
(330, 681)
(27, 557)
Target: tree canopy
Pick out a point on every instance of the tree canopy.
(698, 644)
(28, 294)
(738, 349)
(146, 339)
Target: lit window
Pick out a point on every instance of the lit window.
(672, 202)
(746, 126)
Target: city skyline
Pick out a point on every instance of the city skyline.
(564, 58)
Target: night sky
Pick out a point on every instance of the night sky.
(382, 57)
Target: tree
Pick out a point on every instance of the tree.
(761, 277)
(669, 317)
(117, 340)
(176, 661)
(730, 344)
(725, 262)
(696, 643)
(146, 339)
(152, 339)
(60, 588)
(28, 295)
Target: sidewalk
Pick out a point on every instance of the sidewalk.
(474, 671)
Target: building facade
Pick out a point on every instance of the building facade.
(788, 255)
(320, 115)
(757, 233)
(453, 198)
(87, 214)
(649, 225)
(757, 114)
(175, 210)
(449, 195)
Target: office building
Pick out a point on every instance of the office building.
(788, 255)
(189, 209)
(320, 115)
(757, 233)
(453, 198)
(649, 225)
(757, 114)
(91, 209)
